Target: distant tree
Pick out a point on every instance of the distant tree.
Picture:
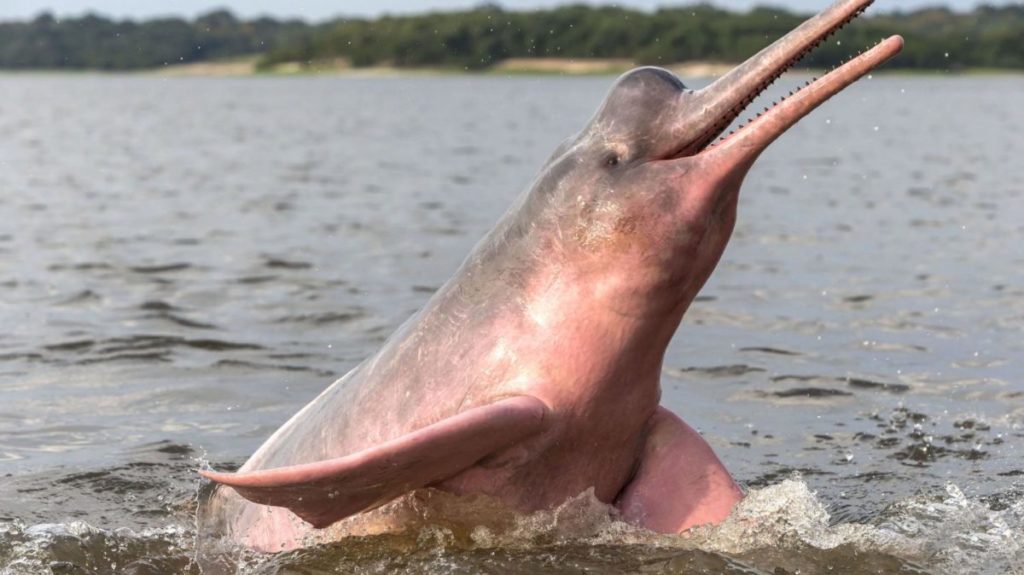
(937, 38)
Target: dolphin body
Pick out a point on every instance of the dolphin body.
(533, 374)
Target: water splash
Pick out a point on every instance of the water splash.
(780, 528)
(960, 533)
(77, 547)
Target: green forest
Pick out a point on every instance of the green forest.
(937, 38)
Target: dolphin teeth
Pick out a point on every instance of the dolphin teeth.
(709, 138)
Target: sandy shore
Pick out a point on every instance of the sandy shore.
(566, 66)
(548, 66)
(233, 67)
(597, 66)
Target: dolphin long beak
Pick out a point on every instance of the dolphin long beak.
(725, 99)
(747, 143)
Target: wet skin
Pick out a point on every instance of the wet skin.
(533, 374)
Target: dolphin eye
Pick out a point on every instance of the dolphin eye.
(615, 155)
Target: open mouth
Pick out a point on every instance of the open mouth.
(725, 99)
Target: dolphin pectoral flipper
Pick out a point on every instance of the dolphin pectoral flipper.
(680, 483)
(325, 492)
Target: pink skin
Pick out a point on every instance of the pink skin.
(533, 375)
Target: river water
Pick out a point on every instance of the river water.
(185, 262)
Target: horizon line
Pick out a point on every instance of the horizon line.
(767, 4)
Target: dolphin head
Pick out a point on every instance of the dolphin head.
(643, 200)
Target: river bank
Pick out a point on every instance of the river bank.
(249, 66)
(531, 66)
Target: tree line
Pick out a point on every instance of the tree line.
(95, 42)
(937, 38)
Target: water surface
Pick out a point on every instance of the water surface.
(186, 262)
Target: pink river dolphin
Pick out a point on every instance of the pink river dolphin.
(533, 374)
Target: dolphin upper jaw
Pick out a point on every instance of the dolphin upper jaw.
(703, 115)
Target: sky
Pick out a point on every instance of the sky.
(324, 9)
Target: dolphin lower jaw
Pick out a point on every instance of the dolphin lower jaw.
(746, 143)
(727, 98)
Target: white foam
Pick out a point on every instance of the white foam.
(945, 531)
